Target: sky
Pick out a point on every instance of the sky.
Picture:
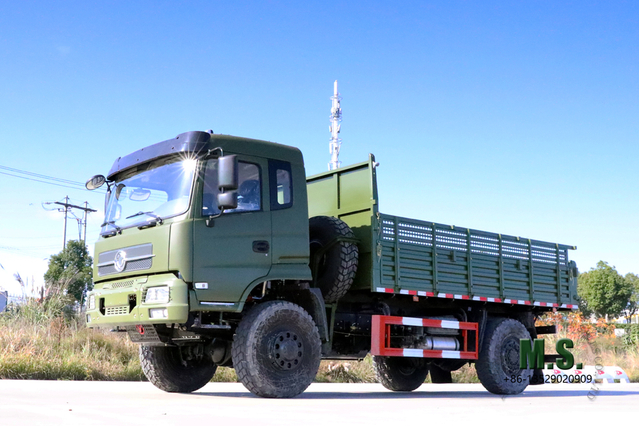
(511, 117)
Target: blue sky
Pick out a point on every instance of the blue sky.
(512, 117)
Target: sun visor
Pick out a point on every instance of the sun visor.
(195, 142)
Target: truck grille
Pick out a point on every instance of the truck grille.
(116, 310)
(134, 265)
(136, 258)
(120, 284)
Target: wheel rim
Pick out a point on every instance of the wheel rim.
(286, 350)
(407, 367)
(510, 356)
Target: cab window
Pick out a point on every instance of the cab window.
(281, 184)
(249, 189)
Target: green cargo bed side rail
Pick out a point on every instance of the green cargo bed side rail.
(435, 258)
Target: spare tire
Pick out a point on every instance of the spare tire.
(334, 268)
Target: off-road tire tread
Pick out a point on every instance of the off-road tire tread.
(348, 258)
(245, 341)
(388, 374)
(159, 370)
(490, 374)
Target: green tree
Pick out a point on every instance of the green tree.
(603, 290)
(70, 271)
(632, 281)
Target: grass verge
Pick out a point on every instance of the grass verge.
(36, 345)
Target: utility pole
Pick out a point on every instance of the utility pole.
(334, 128)
(66, 211)
(86, 214)
(67, 206)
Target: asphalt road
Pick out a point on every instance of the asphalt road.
(28, 402)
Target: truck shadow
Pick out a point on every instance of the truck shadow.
(432, 394)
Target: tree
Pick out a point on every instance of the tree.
(603, 290)
(632, 280)
(70, 271)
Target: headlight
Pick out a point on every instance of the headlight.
(157, 295)
(91, 302)
(158, 313)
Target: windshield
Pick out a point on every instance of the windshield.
(160, 191)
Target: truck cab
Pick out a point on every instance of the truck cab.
(166, 242)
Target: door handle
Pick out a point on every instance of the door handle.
(261, 246)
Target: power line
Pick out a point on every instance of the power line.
(4, 237)
(42, 181)
(67, 206)
(11, 169)
(28, 247)
(36, 177)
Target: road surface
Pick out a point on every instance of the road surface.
(32, 402)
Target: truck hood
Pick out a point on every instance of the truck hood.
(134, 252)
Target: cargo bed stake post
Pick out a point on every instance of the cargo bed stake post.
(434, 258)
(558, 273)
(531, 281)
(501, 268)
(469, 255)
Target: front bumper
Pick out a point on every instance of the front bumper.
(121, 302)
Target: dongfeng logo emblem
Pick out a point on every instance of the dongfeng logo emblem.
(120, 261)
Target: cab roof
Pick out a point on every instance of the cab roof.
(199, 143)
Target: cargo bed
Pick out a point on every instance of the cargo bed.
(419, 258)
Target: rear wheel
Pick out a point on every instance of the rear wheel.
(400, 374)
(439, 375)
(498, 363)
(276, 350)
(177, 369)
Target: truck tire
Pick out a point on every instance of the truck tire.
(166, 368)
(276, 350)
(337, 267)
(498, 363)
(400, 374)
(439, 375)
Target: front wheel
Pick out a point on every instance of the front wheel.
(400, 374)
(276, 350)
(177, 369)
(498, 363)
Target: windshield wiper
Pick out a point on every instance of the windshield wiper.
(118, 230)
(157, 218)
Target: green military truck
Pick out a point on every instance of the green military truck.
(219, 251)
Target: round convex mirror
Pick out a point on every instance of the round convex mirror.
(95, 182)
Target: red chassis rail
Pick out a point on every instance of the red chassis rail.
(381, 337)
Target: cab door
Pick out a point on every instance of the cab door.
(236, 250)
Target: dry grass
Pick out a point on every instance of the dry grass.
(605, 350)
(39, 344)
(224, 374)
(44, 340)
(59, 352)
(346, 371)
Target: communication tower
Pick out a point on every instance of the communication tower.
(334, 128)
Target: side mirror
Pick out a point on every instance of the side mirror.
(227, 200)
(95, 182)
(227, 173)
